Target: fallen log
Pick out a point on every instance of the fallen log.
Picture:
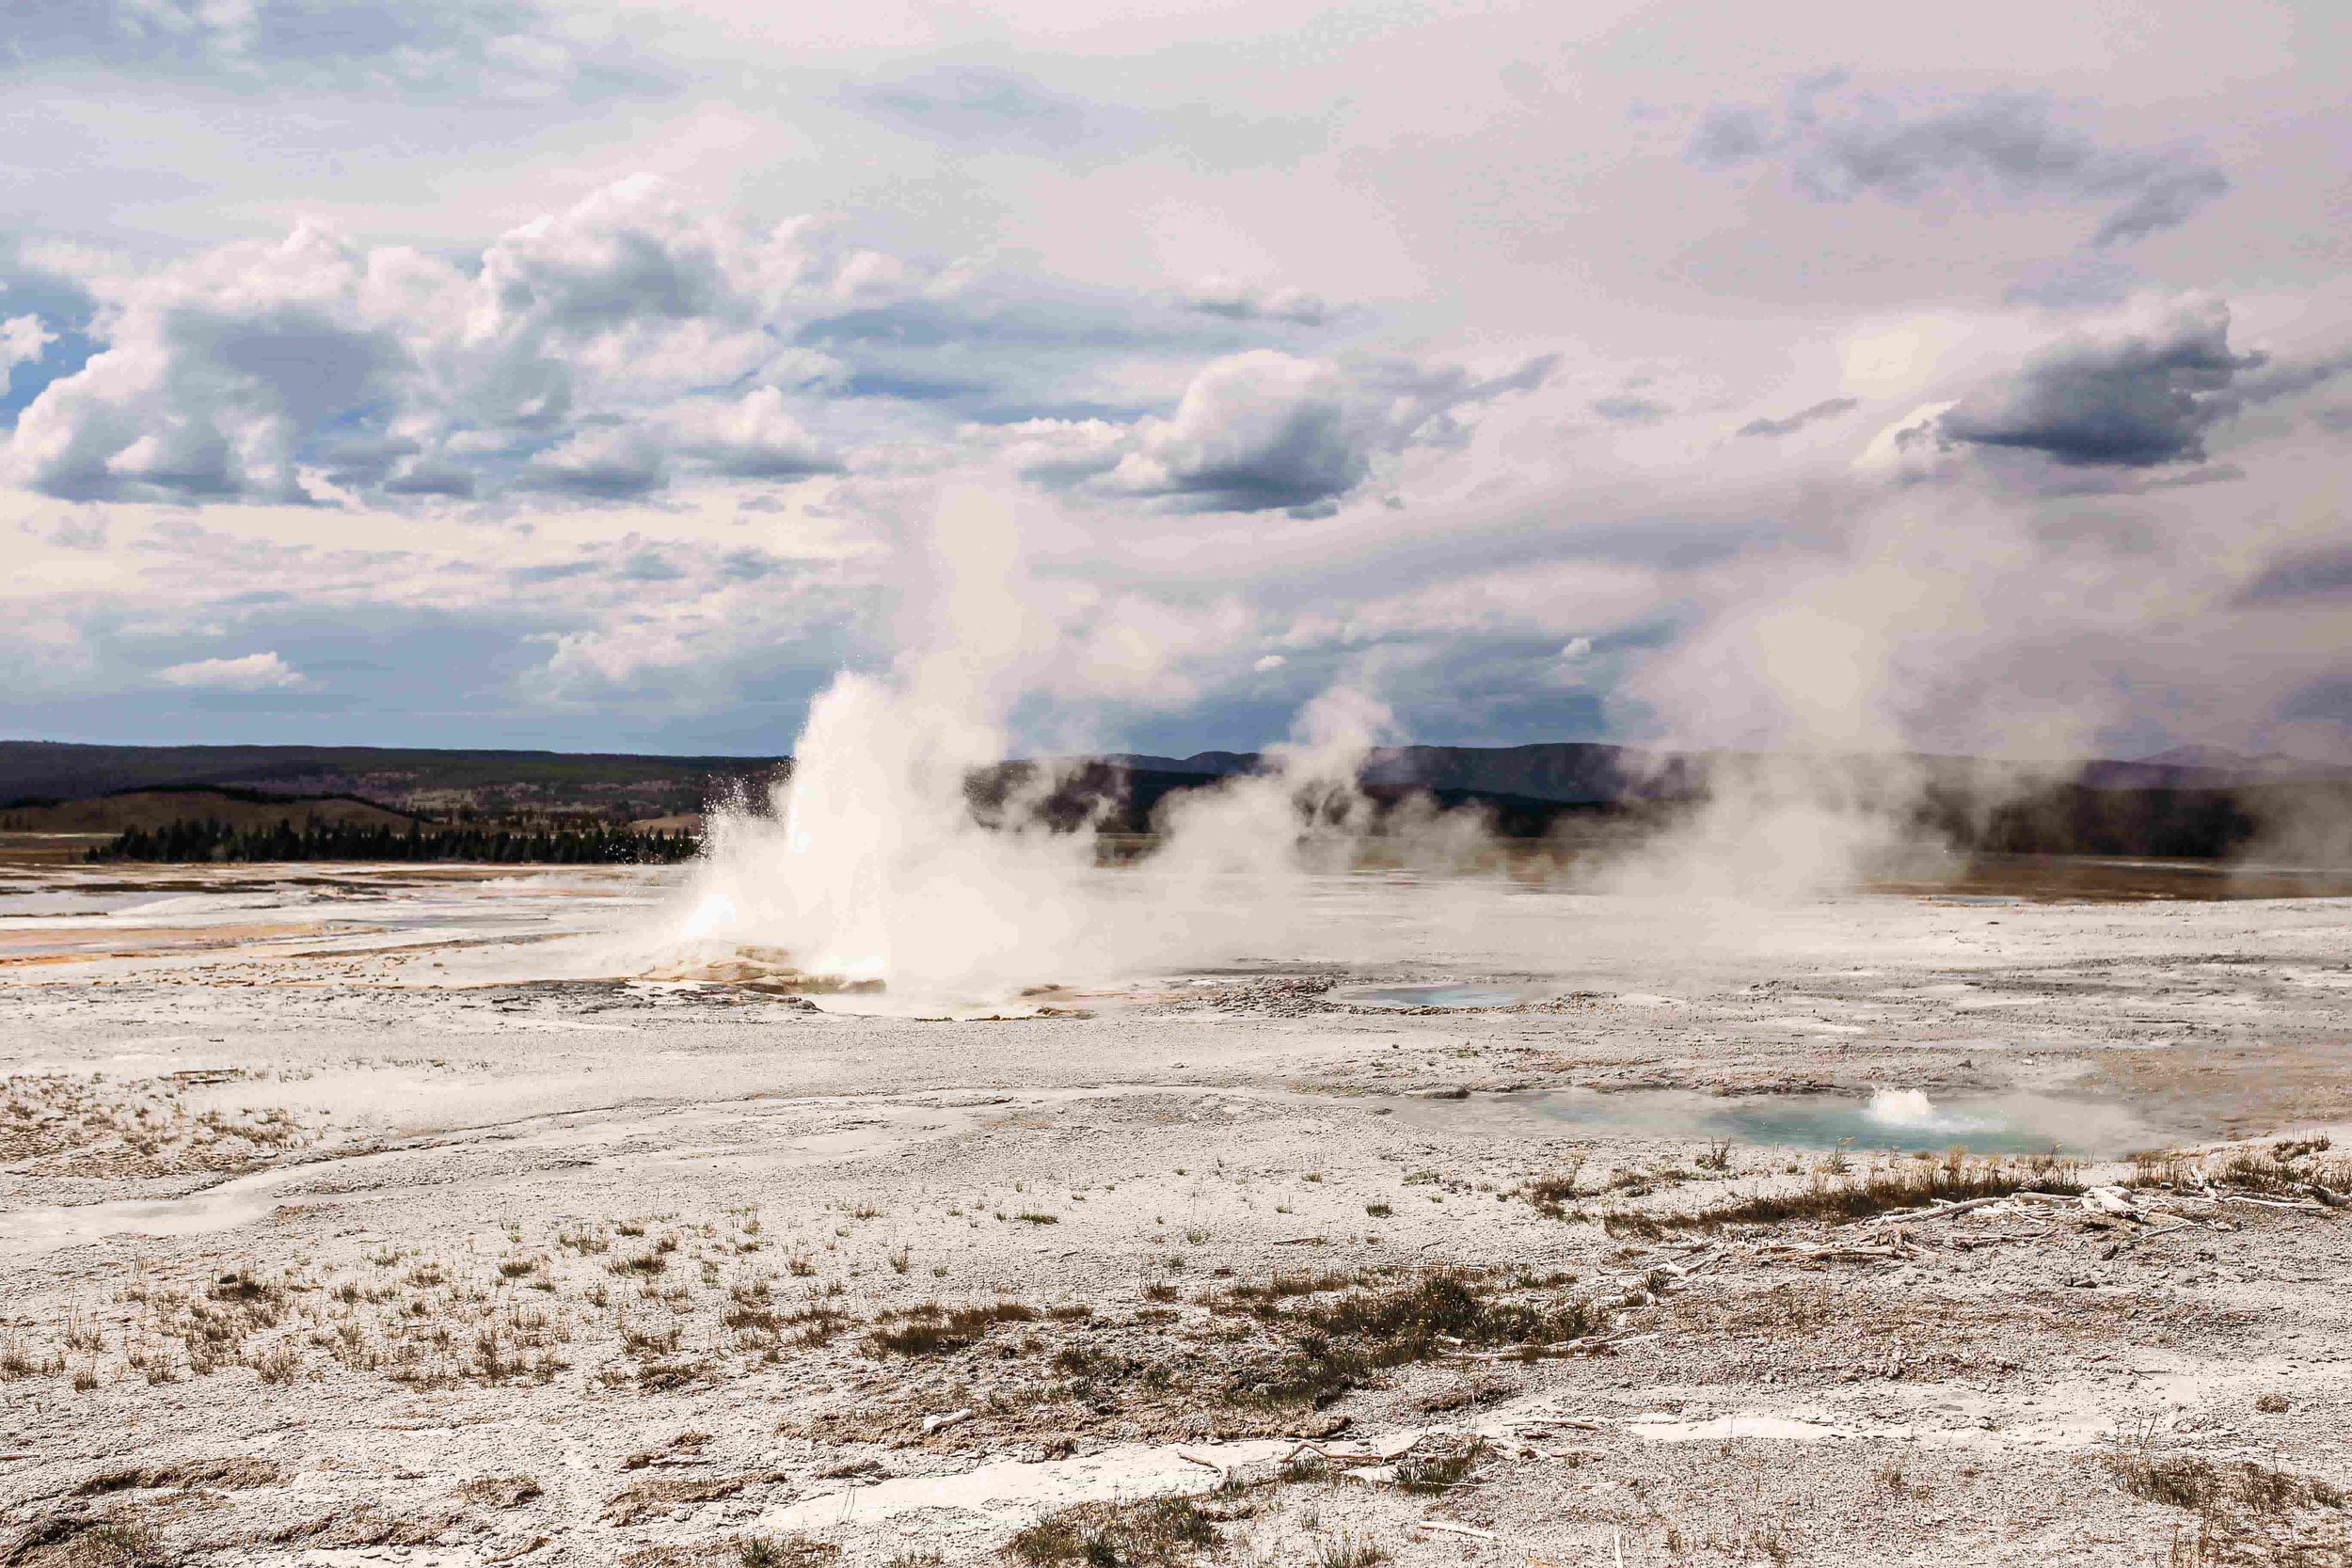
(1922, 1216)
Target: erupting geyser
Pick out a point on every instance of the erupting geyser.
(869, 864)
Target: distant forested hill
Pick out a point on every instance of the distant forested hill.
(445, 784)
(2202, 803)
(233, 808)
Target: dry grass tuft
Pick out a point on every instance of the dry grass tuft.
(647, 1497)
(233, 1472)
(786, 1551)
(1857, 1196)
(2204, 1486)
(501, 1490)
(2246, 1512)
(1433, 1474)
(1341, 1344)
(1155, 1533)
(65, 1540)
(931, 1329)
(737, 1551)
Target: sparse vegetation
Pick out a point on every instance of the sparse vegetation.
(66, 1542)
(1349, 1550)
(1434, 1474)
(230, 1473)
(1550, 1193)
(1882, 1189)
(1155, 1533)
(933, 1329)
(1341, 1344)
(2207, 1487)
(648, 1497)
(502, 1492)
(786, 1551)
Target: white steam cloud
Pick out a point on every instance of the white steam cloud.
(870, 866)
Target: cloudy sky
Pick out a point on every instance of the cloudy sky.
(492, 372)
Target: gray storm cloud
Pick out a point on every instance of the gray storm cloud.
(2132, 401)
(1268, 431)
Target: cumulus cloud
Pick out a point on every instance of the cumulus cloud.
(601, 465)
(1256, 432)
(565, 360)
(1829, 408)
(214, 375)
(755, 437)
(626, 345)
(2130, 400)
(1268, 431)
(262, 672)
(2005, 145)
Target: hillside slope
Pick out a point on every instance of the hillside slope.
(431, 782)
(154, 808)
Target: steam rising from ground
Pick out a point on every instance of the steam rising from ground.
(870, 865)
(1776, 828)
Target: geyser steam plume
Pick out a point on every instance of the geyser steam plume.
(871, 865)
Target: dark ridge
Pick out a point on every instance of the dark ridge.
(616, 787)
(2192, 802)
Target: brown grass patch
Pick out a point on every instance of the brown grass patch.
(63, 1540)
(501, 1490)
(935, 1330)
(739, 1551)
(2247, 1514)
(1858, 1196)
(234, 1473)
(1157, 1533)
(634, 1503)
(1340, 1345)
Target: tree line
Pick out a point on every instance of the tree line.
(210, 840)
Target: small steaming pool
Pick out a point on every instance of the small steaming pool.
(1889, 1119)
(1448, 994)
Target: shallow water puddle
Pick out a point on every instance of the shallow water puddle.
(1890, 1119)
